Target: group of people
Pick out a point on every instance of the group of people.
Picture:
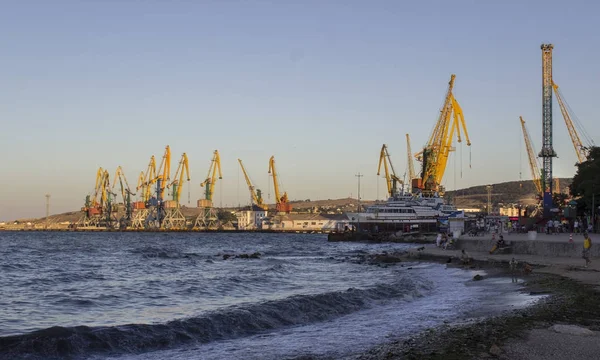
(499, 244)
(443, 241)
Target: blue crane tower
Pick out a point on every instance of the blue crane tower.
(547, 152)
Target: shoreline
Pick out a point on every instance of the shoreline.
(505, 336)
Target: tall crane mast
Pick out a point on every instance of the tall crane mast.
(435, 154)
(533, 162)
(177, 184)
(409, 162)
(547, 152)
(256, 194)
(391, 179)
(580, 149)
(211, 178)
(282, 204)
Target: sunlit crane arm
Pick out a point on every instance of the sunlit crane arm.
(533, 164)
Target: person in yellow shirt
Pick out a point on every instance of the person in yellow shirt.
(587, 244)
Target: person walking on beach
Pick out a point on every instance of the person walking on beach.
(464, 257)
(587, 244)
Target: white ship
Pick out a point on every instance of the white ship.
(405, 209)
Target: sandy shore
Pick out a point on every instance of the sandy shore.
(573, 304)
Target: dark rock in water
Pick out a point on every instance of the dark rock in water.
(226, 256)
(255, 255)
(387, 259)
(495, 350)
(384, 258)
(477, 277)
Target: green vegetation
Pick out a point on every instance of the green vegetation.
(226, 216)
(586, 182)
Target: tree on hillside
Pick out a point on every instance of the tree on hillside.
(586, 181)
(226, 216)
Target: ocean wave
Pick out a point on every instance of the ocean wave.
(233, 322)
(151, 252)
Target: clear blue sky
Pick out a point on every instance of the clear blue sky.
(319, 84)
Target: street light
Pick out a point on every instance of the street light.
(359, 175)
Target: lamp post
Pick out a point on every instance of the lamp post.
(593, 212)
(359, 175)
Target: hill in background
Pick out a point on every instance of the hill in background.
(511, 192)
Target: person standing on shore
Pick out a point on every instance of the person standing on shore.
(587, 244)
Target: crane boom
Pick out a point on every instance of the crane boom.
(120, 175)
(411, 166)
(98, 187)
(533, 164)
(141, 185)
(211, 179)
(282, 204)
(147, 179)
(390, 174)
(580, 149)
(177, 184)
(164, 175)
(255, 193)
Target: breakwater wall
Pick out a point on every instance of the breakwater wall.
(530, 247)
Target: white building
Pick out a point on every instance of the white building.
(250, 219)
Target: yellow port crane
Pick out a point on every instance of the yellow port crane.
(254, 192)
(533, 160)
(125, 190)
(409, 163)
(211, 178)
(164, 174)
(282, 204)
(102, 187)
(391, 179)
(435, 154)
(565, 109)
(140, 185)
(94, 205)
(147, 179)
(182, 169)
